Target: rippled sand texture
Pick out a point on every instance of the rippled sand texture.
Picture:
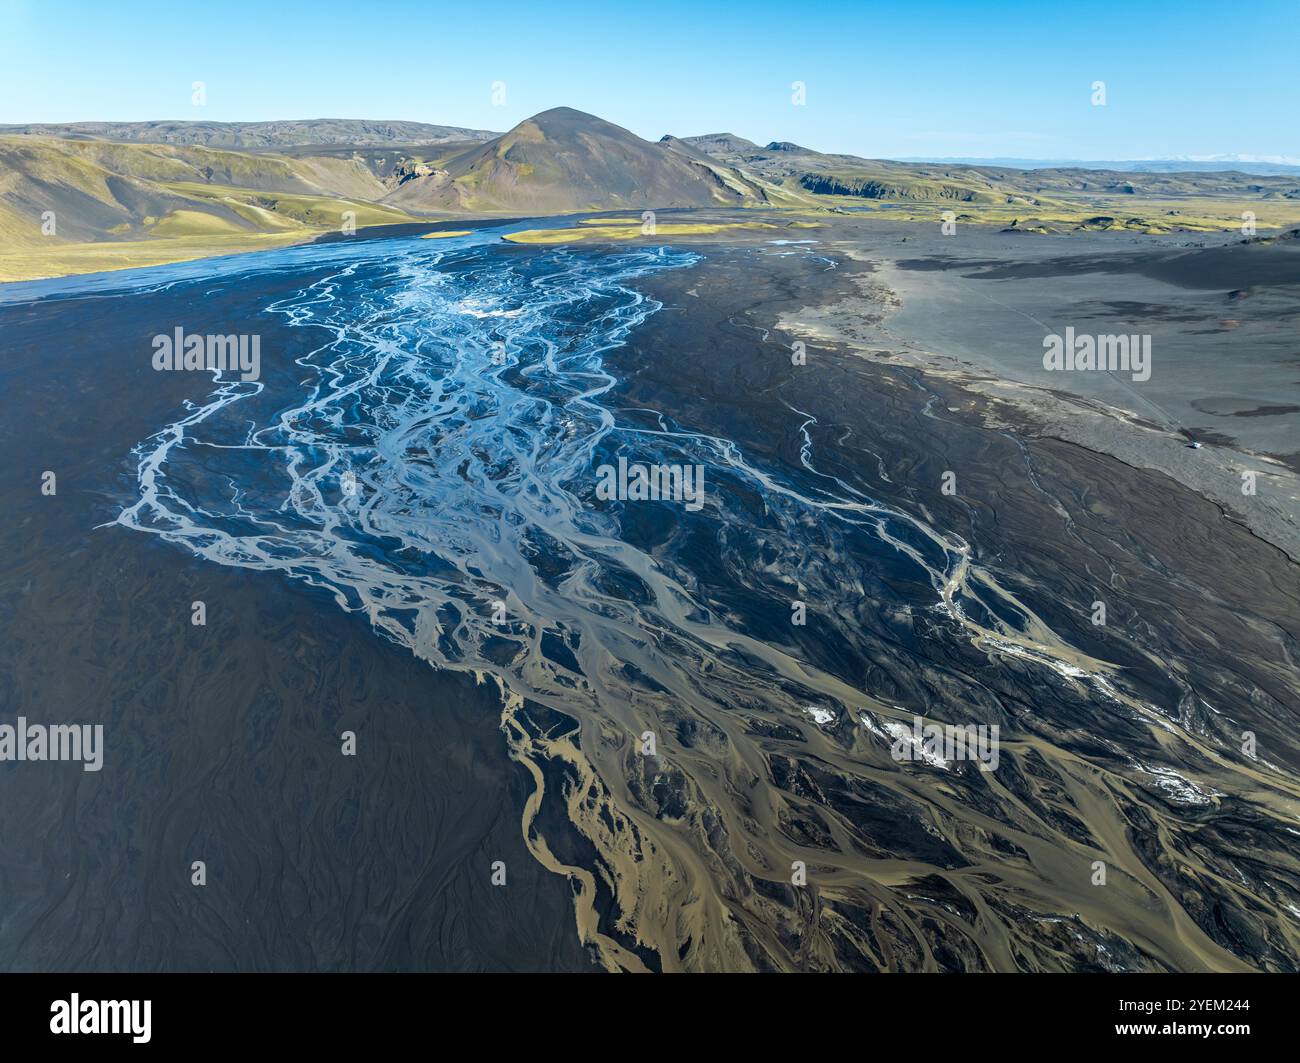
(470, 392)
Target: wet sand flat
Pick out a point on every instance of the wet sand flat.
(1220, 313)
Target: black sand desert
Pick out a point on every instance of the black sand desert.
(776, 743)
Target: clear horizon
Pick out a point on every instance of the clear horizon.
(936, 81)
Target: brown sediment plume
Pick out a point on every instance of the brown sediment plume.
(914, 867)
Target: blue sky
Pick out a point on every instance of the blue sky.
(883, 79)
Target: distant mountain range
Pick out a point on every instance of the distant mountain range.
(303, 133)
(796, 168)
(143, 181)
(1264, 165)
